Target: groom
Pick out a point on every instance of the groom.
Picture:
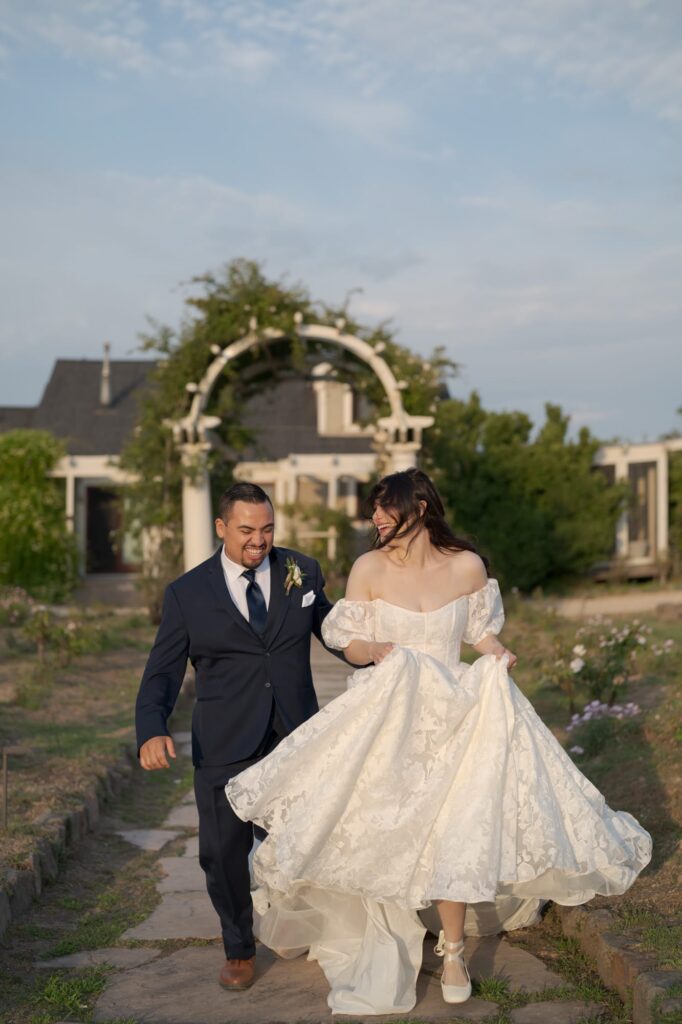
(244, 619)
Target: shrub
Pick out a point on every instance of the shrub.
(37, 552)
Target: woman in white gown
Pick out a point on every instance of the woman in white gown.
(429, 782)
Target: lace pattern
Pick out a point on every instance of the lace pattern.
(427, 779)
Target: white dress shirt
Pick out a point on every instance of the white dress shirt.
(237, 584)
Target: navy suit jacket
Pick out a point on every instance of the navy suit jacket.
(238, 672)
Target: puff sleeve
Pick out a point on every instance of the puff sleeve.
(485, 613)
(348, 621)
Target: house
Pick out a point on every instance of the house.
(308, 447)
(313, 443)
(642, 546)
(91, 405)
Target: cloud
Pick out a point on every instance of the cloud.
(626, 48)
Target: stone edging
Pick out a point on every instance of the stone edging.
(631, 973)
(66, 829)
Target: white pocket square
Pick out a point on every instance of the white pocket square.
(308, 599)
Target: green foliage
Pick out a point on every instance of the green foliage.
(37, 552)
(15, 606)
(71, 995)
(535, 505)
(35, 685)
(319, 519)
(219, 314)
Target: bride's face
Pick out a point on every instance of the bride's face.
(384, 519)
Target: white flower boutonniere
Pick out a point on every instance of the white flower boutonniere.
(295, 575)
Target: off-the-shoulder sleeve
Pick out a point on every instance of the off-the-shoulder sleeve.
(348, 621)
(485, 613)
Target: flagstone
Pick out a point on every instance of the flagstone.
(571, 1011)
(493, 957)
(179, 915)
(182, 874)
(115, 956)
(189, 798)
(192, 847)
(183, 989)
(183, 816)
(148, 838)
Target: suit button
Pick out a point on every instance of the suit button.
(268, 685)
(267, 654)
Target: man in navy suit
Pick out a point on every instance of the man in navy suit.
(244, 619)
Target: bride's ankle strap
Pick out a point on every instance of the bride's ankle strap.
(443, 946)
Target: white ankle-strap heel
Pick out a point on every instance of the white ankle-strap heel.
(453, 951)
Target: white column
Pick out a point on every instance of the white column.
(403, 455)
(662, 504)
(332, 491)
(620, 463)
(197, 515)
(70, 483)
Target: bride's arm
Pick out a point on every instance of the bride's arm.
(491, 645)
(474, 572)
(363, 652)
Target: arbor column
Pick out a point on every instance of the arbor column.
(197, 515)
(403, 455)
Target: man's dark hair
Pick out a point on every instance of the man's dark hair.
(241, 491)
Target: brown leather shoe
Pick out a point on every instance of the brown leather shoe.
(238, 974)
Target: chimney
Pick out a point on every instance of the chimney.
(105, 385)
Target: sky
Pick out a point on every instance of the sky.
(502, 179)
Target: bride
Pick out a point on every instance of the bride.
(428, 783)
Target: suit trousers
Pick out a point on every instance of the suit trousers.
(225, 842)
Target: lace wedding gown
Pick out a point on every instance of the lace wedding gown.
(427, 779)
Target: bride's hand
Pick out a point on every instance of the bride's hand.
(512, 657)
(377, 652)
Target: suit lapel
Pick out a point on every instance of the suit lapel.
(217, 580)
(279, 599)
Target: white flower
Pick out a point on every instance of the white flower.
(576, 750)
(576, 665)
(580, 650)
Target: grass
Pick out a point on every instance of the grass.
(673, 1016)
(107, 886)
(70, 996)
(653, 935)
(72, 720)
(636, 763)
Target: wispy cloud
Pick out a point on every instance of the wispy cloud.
(629, 48)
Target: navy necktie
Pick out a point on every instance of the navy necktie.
(258, 611)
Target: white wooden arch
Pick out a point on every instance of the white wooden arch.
(400, 432)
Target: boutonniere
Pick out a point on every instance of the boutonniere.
(294, 577)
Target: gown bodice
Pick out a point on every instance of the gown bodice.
(439, 633)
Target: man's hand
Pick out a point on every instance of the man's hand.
(153, 753)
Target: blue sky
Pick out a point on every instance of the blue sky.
(502, 179)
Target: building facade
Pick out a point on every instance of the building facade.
(313, 444)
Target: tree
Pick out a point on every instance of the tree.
(37, 552)
(217, 314)
(536, 507)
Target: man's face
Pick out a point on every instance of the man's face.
(248, 533)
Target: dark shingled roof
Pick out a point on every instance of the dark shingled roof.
(283, 418)
(70, 406)
(14, 416)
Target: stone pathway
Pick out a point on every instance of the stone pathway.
(630, 603)
(181, 988)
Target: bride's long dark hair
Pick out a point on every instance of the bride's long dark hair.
(403, 493)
